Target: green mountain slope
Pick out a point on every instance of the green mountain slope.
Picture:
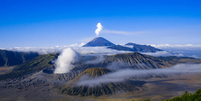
(10, 58)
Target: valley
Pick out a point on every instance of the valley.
(34, 79)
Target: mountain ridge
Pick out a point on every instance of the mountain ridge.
(11, 58)
(100, 41)
(143, 48)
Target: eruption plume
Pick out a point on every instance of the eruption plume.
(99, 28)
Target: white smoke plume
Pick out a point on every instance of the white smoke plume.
(124, 74)
(99, 28)
(65, 59)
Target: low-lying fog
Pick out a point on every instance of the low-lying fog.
(124, 74)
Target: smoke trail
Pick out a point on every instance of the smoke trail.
(66, 58)
(99, 28)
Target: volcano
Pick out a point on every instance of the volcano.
(102, 89)
(99, 41)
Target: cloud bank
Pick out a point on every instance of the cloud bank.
(188, 50)
(162, 53)
(122, 75)
(168, 46)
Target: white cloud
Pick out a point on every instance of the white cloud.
(189, 50)
(76, 47)
(161, 53)
(186, 46)
(43, 50)
(124, 74)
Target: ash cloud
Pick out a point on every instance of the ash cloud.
(122, 75)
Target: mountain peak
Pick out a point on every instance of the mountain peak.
(101, 89)
(99, 41)
(94, 72)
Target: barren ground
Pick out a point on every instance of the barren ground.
(32, 89)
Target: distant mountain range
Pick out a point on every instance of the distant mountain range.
(100, 41)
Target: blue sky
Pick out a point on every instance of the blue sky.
(45, 23)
